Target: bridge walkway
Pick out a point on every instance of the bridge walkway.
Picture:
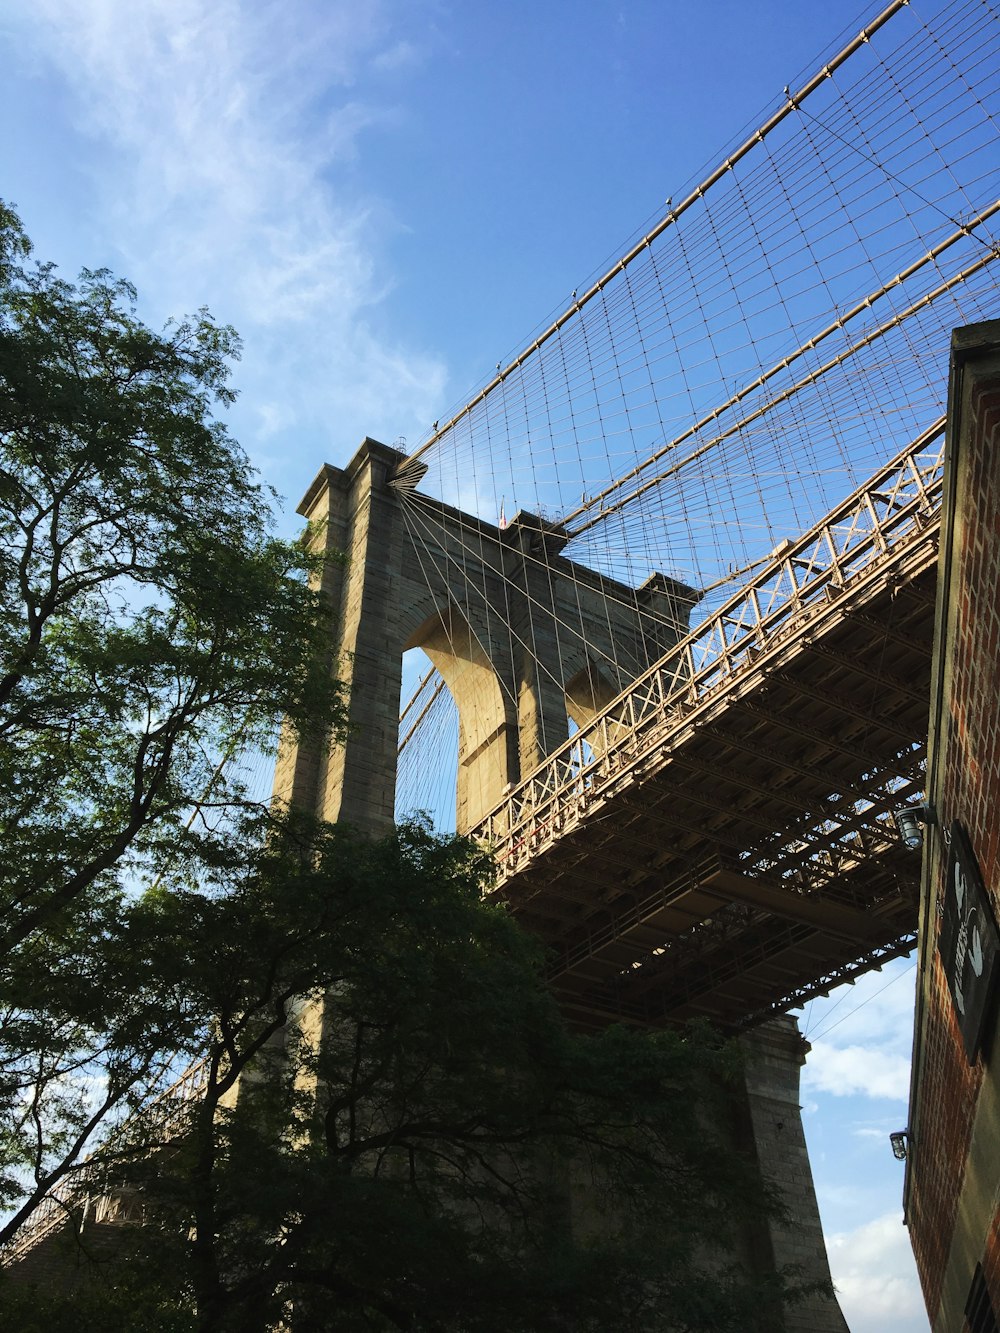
(719, 841)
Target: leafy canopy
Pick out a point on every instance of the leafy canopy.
(149, 622)
(147, 615)
(439, 1153)
(396, 1130)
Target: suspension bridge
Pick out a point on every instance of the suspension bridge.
(671, 570)
(748, 406)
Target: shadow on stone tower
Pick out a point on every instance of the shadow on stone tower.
(525, 640)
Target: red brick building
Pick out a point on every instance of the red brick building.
(952, 1189)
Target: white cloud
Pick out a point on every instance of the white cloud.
(852, 1070)
(874, 1273)
(861, 1037)
(222, 135)
(878, 1135)
(878, 1006)
(397, 56)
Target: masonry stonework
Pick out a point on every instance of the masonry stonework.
(525, 639)
(774, 1055)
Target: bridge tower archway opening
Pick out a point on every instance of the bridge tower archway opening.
(427, 753)
(483, 724)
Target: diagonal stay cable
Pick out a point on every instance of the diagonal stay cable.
(470, 524)
(549, 611)
(836, 325)
(523, 643)
(789, 106)
(811, 378)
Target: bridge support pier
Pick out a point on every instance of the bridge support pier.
(525, 639)
(774, 1055)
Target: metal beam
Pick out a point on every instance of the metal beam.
(874, 674)
(811, 773)
(921, 647)
(842, 704)
(833, 918)
(789, 720)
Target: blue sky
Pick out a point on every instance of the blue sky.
(386, 199)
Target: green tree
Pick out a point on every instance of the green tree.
(149, 622)
(448, 1156)
(439, 1152)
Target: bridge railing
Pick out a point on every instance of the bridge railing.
(85, 1195)
(899, 502)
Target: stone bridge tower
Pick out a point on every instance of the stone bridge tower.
(525, 640)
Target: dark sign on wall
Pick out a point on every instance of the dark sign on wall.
(969, 942)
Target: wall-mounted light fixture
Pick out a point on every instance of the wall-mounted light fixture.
(909, 820)
(900, 1144)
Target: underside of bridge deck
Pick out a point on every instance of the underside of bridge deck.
(747, 859)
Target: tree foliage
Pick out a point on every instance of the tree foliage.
(148, 615)
(396, 1130)
(439, 1152)
(149, 620)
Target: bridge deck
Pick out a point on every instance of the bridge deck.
(719, 842)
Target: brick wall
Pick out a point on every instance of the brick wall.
(991, 1260)
(948, 1094)
(951, 1206)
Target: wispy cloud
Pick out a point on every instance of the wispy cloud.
(879, 1006)
(873, 1271)
(400, 55)
(858, 1070)
(225, 135)
(875, 1134)
(861, 1044)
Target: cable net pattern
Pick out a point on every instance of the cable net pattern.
(778, 336)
